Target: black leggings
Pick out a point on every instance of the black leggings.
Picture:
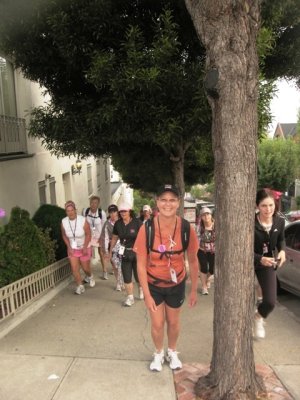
(207, 262)
(267, 280)
(128, 266)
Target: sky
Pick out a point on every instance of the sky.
(285, 106)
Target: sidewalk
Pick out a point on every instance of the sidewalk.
(90, 347)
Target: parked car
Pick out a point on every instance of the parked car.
(284, 216)
(293, 216)
(289, 274)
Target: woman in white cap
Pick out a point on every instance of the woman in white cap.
(147, 213)
(76, 234)
(126, 230)
(206, 253)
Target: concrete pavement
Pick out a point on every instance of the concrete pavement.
(91, 347)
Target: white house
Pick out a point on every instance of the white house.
(29, 174)
(120, 192)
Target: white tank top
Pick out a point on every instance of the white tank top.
(74, 230)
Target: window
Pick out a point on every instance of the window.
(52, 191)
(106, 166)
(98, 172)
(290, 233)
(7, 89)
(89, 179)
(296, 242)
(42, 192)
(12, 129)
(67, 186)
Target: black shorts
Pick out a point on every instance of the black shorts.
(207, 262)
(173, 296)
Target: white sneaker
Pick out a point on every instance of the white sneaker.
(80, 289)
(129, 301)
(105, 276)
(158, 360)
(141, 293)
(259, 329)
(173, 359)
(204, 291)
(92, 281)
(118, 287)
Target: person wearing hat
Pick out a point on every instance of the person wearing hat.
(147, 213)
(162, 273)
(76, 234)
(125, 230)
(206, 253)
(105, 243)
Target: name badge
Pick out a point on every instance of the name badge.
(73, 244)
(173, 275)
(121, 250)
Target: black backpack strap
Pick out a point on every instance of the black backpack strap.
(88, 210)
(185, 233)
(149, 227)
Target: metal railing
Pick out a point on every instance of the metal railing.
(12, 135)
(18, 294)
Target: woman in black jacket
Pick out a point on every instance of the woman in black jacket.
(269, 254)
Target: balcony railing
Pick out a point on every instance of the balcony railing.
(12, 135)
(18, 294)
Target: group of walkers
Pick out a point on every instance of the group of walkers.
(153, 249)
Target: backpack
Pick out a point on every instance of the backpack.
(88, 210)
(185, 237)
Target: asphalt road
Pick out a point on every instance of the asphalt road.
(291, 303)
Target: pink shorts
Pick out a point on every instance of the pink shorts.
(78, 253)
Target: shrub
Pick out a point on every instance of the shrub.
(24, 248)
(298, 202)
(49, 217)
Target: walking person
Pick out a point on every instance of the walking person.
(126, 230)
(206, 252)
(269, 254)
(105, 243)
(96, 217)
(146, 213)
(76, 234)
(160, 248)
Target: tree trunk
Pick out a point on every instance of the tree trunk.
(228, 29)
(178, 174)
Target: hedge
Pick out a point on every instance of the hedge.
(49, 217)
(24, 248)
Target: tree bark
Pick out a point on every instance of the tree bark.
(177, 161)
(228, 29)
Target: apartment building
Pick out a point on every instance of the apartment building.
(29, 174)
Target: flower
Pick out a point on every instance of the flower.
(2, 213)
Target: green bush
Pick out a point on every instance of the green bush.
(298, 202)
(49, 217)
(24, 248)
(140, 199)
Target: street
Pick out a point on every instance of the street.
(291, 303)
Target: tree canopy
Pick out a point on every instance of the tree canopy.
(278, 163)
(282, 19)
(126, 74)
